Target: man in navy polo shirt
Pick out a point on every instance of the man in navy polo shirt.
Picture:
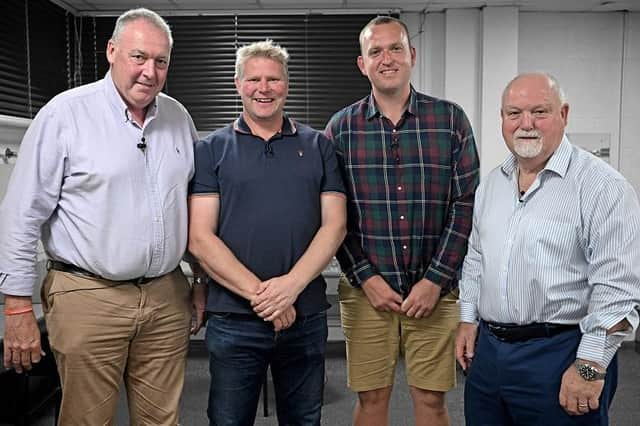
(267, 213)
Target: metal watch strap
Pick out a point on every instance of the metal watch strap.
(588, 372)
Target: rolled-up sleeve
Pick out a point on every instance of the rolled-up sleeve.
(614, 271)
(31, 198)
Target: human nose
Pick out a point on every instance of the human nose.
(526, 121)
(386, 56)
(263, 85)
(149, 68)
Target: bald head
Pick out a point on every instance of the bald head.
(534, 116)
(542, 78)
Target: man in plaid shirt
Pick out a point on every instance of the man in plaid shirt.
(411, 169)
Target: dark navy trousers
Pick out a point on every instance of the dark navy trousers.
(518, 383)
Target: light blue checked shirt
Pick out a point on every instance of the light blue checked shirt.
(95, 199)
(567, 252)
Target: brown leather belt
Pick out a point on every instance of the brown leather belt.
(76, 270)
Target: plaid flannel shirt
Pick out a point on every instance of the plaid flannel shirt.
(410, 191)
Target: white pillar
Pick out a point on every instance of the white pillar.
(427, 37)
(462, 61)
(499, 66)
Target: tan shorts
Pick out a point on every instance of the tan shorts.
(375, 339)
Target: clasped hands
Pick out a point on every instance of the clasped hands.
(420, 302)
(274, 301)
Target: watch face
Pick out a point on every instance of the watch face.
(589, 373)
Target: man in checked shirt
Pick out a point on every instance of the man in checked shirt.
(411, 168)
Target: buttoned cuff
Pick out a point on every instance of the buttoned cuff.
(13, 285)
(468, 312)
(361, 272)
(601, 349)
(438, 277)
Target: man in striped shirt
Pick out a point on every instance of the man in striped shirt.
(411, 169)
(552, 274)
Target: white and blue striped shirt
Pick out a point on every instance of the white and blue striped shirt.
(567, 252)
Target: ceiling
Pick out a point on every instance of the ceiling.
(196, 7)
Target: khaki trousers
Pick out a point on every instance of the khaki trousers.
(102, 333)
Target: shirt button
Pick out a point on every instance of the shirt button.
(399, 188)
(404, 247)
(402, 217)
(394, 130)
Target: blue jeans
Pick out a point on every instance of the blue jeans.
(518, 383)
(241, 347)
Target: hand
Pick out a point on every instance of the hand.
(466, 343)
(274, 297)
(422, 299)
(285, 320)
(198, 302)
(21, 341)
(380, 295)
(578, 396)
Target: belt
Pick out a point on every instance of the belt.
(519, 333)
(76, 270)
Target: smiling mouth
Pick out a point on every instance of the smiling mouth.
(263, 100)
(388, 72)
(525, 136)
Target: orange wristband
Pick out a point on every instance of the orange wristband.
(17, 311)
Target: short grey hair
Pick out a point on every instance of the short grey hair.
(262, 49)
(146, 15)
(553, 84)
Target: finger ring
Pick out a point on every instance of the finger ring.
(583, 405)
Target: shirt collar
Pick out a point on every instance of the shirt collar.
(373, 111)
(557, 163)
(288, 126)
(118, 103)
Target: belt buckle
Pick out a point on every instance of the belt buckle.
(139, 280)
(498, 331)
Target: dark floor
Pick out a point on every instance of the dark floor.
(338, 402)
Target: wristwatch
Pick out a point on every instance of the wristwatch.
(588, 372)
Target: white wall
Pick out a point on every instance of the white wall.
(630, 124)
(584, 52)
(11, 131)
(427, 34)
(595, 56)
(463, 36)
(468, 56)
(499, 65)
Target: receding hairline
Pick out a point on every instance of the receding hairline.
(141, 15)
(383, 20)
(554, 85)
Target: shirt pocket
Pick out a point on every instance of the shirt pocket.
(551, 242)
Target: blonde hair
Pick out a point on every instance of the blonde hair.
(262, 49)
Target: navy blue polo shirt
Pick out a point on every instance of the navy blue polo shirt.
(269, 202)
